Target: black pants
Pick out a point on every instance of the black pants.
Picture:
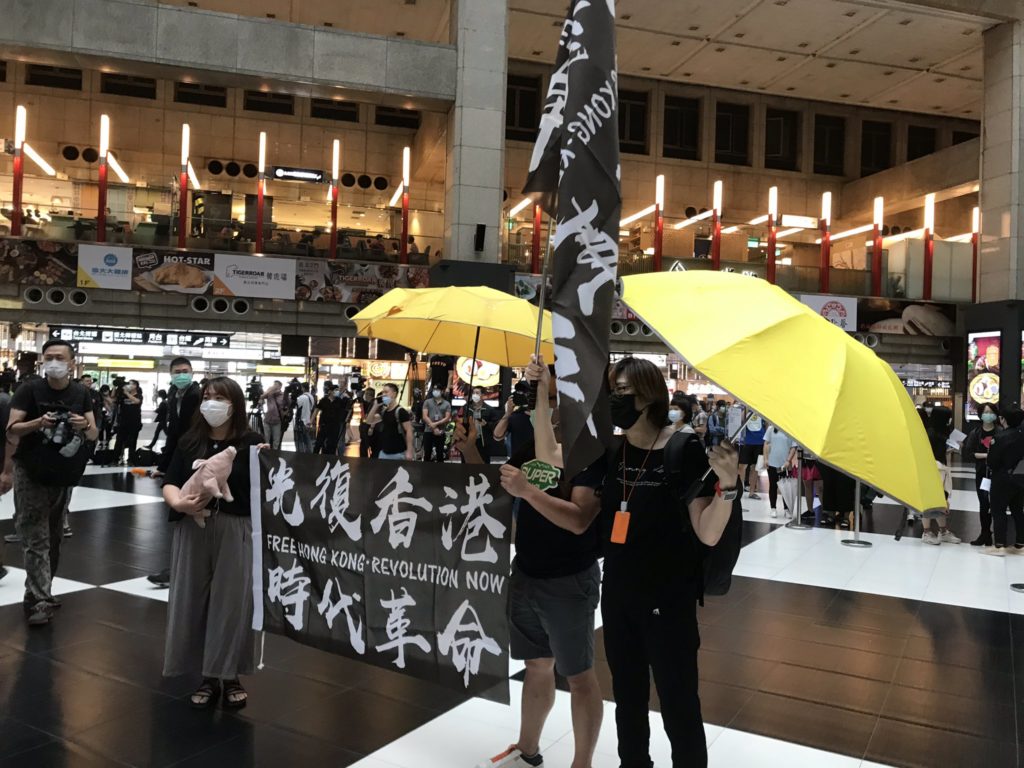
(433, 443)
(984, 507)
(773, 486)
(1007, 501)
(365, 442)
(327, 440)
(641, 636)
(159, 429)
(128, 437)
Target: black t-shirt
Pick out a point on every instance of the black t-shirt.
(37, 397)
(659, 555)
(129, 416)
(180, 470)
(543, 549)
(520, 431)
(440, 367)
(391, 431)
(332, 412)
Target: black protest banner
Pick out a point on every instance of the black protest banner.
(574, 173)
(397, 564)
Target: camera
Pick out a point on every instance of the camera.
(61, 432)
(254, 391)
(521, 394)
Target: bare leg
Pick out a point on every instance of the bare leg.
(587, 712)
(538, 699)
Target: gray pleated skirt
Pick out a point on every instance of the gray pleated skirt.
(209, 609)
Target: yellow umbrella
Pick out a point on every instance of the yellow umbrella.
(832, 394)
(483, 322)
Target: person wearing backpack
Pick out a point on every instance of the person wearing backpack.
(393, 425)
(670, 530)
(1005, 454)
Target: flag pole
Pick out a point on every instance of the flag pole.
(541, 302)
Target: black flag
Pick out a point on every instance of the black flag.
(574, 172)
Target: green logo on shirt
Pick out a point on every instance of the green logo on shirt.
(541, 475)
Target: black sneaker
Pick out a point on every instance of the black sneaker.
(982, 541)
(3, 571)
(40, 615)
(67, 532)
(162, 579)
(12, 538)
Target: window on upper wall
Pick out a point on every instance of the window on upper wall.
(329, 109)
(202, 95)
(782, 140)
(875, 147)
(732, 134)
(392, 117)
(682, 128)
(959, 137)
(274, 103)
(829, 145)
(921, 141)
(522, 108)
(633, 122)
(128, 85)
(53, 77)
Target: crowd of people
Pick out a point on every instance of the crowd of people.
(661, 499)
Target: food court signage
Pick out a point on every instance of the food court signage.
(309, 175)
(79, 334)
(838, 310)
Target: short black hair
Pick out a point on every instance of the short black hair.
(60, 343)
(684, 403)
(391, 387)
(305, 386)
(1013, 415)
(180, 361)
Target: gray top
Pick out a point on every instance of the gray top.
(437, 410)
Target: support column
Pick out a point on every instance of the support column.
(1000, 272)
(476, 130)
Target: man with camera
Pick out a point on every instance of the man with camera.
(50, 424)
(515, 425)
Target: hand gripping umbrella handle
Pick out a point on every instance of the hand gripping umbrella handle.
(732, 439)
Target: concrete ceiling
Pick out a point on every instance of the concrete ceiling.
(903, 56)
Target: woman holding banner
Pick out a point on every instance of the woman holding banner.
(209, 611)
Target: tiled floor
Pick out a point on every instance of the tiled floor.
(821, 655)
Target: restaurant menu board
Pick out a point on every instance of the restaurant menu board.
(172, 271)
(38, 262)
(983, 350)
(105, 266)
(258, 277)
(347, 282)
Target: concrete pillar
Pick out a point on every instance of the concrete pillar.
(1000, 275)
(476, 129)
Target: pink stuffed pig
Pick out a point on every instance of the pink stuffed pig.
(210, 480)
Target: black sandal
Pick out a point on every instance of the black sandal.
(235, 696)
(206, 694)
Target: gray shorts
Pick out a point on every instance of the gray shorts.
(554, 618)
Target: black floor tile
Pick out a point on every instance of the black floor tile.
(272, 747)
(985, 718)
(59, 754)
(904, 744)
(953, 653)
(720, 704)
(829, 688)
(16, 736)
(989, 684)
(162, 734)
(733, 669)
(803, 722)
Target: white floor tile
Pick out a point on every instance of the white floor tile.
(140, 587)
(12, 587)
(84, 499)
(736, 748)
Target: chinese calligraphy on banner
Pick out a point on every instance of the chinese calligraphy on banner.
(400, 565)
(105, 266)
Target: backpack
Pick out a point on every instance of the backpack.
(717, 562)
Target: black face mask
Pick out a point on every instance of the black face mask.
(624, 412)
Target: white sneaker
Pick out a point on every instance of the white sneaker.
(512, 758)
(994, 551)
(773, 512)
(948, 537)
(931, 538)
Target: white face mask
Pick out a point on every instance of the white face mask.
(476, 398)
(675, 415)
(216, 412)
(55, 369)
(437, 394)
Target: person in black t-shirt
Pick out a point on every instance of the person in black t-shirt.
(651, 585)
(555, 586)
(209, 610)
(442, 369)
(392, 426)
(50, 423)
(515, 426)
(332, 411)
